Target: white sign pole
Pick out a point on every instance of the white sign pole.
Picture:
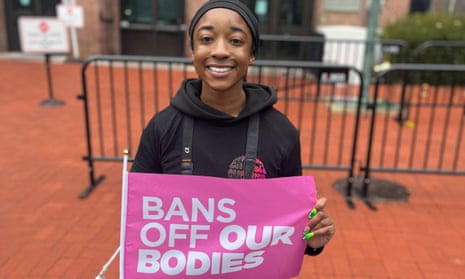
(74, 42)
(72, 28)
(74, 39)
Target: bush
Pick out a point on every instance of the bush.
(421, 27)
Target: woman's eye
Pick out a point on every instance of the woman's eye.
(206, 40)
(236, 42)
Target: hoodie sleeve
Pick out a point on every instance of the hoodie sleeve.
(147, 159)
(160, 144)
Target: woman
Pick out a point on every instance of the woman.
(219, 125)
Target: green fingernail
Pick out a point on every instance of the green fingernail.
(309, 235)
(312, 213)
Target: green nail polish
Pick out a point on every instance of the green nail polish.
(309, 235)
(312, 213)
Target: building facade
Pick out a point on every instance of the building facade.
(158, 27)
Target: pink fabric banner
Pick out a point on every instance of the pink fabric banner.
(180, 226)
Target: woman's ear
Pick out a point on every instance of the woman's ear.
(251, 60)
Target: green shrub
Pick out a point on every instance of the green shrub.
(422, 27)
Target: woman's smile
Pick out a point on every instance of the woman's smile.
(219, 69)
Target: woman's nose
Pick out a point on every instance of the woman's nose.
(220, 49)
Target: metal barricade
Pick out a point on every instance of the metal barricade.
(439, 52)
(121, 93)
(430, 139)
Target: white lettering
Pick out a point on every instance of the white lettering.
(234, 236)
(174, 228)
(232, 262)
(207, 213)
(195, 235)
(253, 259)
(175, 262)
(252, 235)
(177, 209)
(283, 234)
(168, 259)
(230, 213)
(151, 208)
(158, 229)
(148, 261)
(232, 243)
(216, 263)
(198, 263)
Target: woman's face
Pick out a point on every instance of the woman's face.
(222, 50)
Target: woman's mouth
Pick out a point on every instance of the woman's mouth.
(219, 70)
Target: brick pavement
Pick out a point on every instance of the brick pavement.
(47, 232)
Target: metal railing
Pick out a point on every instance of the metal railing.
(121, 94)
(340, 129)
(329, 50)
(430, 136)
(440, 52)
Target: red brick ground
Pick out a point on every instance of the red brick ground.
(47, 232)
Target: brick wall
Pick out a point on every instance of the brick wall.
(391, 11)
(89, 36)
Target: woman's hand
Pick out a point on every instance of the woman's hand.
(320, 229)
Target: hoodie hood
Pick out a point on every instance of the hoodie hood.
(187, 100)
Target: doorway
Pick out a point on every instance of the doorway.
(17, 8)
(284, 17)
(152, 27)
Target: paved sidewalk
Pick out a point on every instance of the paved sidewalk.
(47, 232)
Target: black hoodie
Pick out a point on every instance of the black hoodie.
(219, 140)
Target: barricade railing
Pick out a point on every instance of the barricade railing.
(439, 52)
(121, 93)
(330, 50)
(431, 137)
(324, 108)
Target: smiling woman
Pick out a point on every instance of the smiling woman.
(220, 125)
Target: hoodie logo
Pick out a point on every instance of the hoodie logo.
(236, 168)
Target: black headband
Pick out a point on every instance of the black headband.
(236, 6)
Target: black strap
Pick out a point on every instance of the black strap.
(252, 144)
(188, 131)
(187, 165)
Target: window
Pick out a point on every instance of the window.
(341, 5)
(419, 6)
(290, 12)
(159, 12)
(25, 3)
(170, 12)
(260, 8)
(137, 11)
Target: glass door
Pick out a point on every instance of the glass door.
(152, 27)
(17, 8)
(283, 17)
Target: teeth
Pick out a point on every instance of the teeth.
(220, 69)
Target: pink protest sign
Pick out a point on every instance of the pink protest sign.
(180, 226)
